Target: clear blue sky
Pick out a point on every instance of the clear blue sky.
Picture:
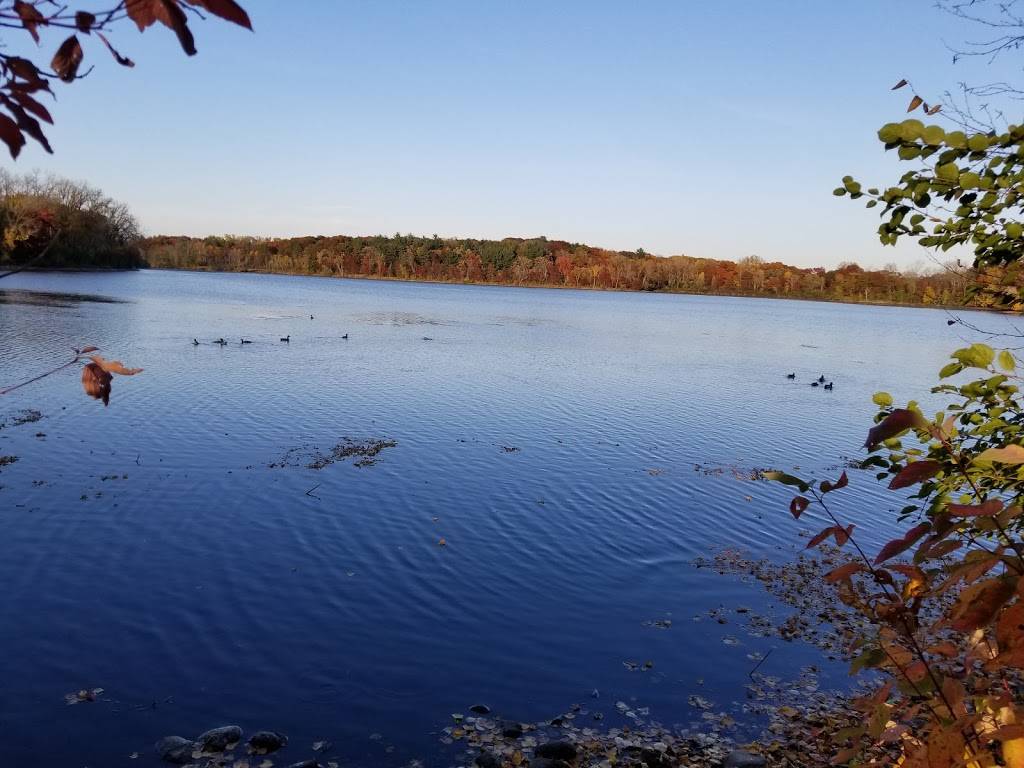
(714, 128)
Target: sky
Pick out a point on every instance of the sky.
(715, 129)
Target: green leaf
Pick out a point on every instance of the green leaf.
(976, 356)
(889, 133)
(951, 369)
(1014, 230)
(948, 172)
(911, 130)
(1007, 361)
(956, 139)
(970, 180)
(978, 142)
(934, 135)
(882, 399)
(782, 477)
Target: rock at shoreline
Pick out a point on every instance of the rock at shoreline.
(311, 763)
(546, 762)
(487, 760)
(741, 759)
(218, 739)
(654, 758)
(510, 729)
(480, 709)
(175, 749)
(557, 750)
(265, 742)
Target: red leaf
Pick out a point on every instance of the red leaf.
(30, 17)
(27, 123)
(842, 482)
(124, 61)
(11, 135)
(816, 540)
(67, 59)
(898, 421)
(915, 473)
(841, 535)
(141, 12)
(226, 9)
(24, 69)
(169, 13)
(979, 603)
(915, 102)
(896, 546)
(844, 572)
(32, 106)
(84, 21)
(988, 508)
(798, 505)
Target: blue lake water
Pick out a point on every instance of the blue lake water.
(575, 450)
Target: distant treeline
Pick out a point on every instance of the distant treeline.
(543, 262)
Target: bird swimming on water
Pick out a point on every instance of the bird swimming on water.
(246, 341)
(345, 336)
(195, 342)
(310, 317)
(220, 341)
(790, 375)
(814, 383)
(829, 385)
(821, 379)
(286, 338)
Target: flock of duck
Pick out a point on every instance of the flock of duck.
(222, 343)
(819, 383)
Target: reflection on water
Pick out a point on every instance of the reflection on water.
(39, 298)
(564, 446)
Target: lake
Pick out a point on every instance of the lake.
(575, 451)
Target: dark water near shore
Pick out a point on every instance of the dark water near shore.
(574, 449)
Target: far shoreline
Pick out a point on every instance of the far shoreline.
(532, 286)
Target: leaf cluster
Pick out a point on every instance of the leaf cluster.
(967, 189)
(23, 81)
(946, 597)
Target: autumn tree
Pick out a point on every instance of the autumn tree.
(57, 222)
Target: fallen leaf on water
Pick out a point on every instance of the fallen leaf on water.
(86, 694)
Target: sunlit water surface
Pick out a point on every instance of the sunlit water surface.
(575, 450)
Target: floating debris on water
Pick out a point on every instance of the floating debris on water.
(311, 457)
(26, 416)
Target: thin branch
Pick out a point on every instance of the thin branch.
(35, 260)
